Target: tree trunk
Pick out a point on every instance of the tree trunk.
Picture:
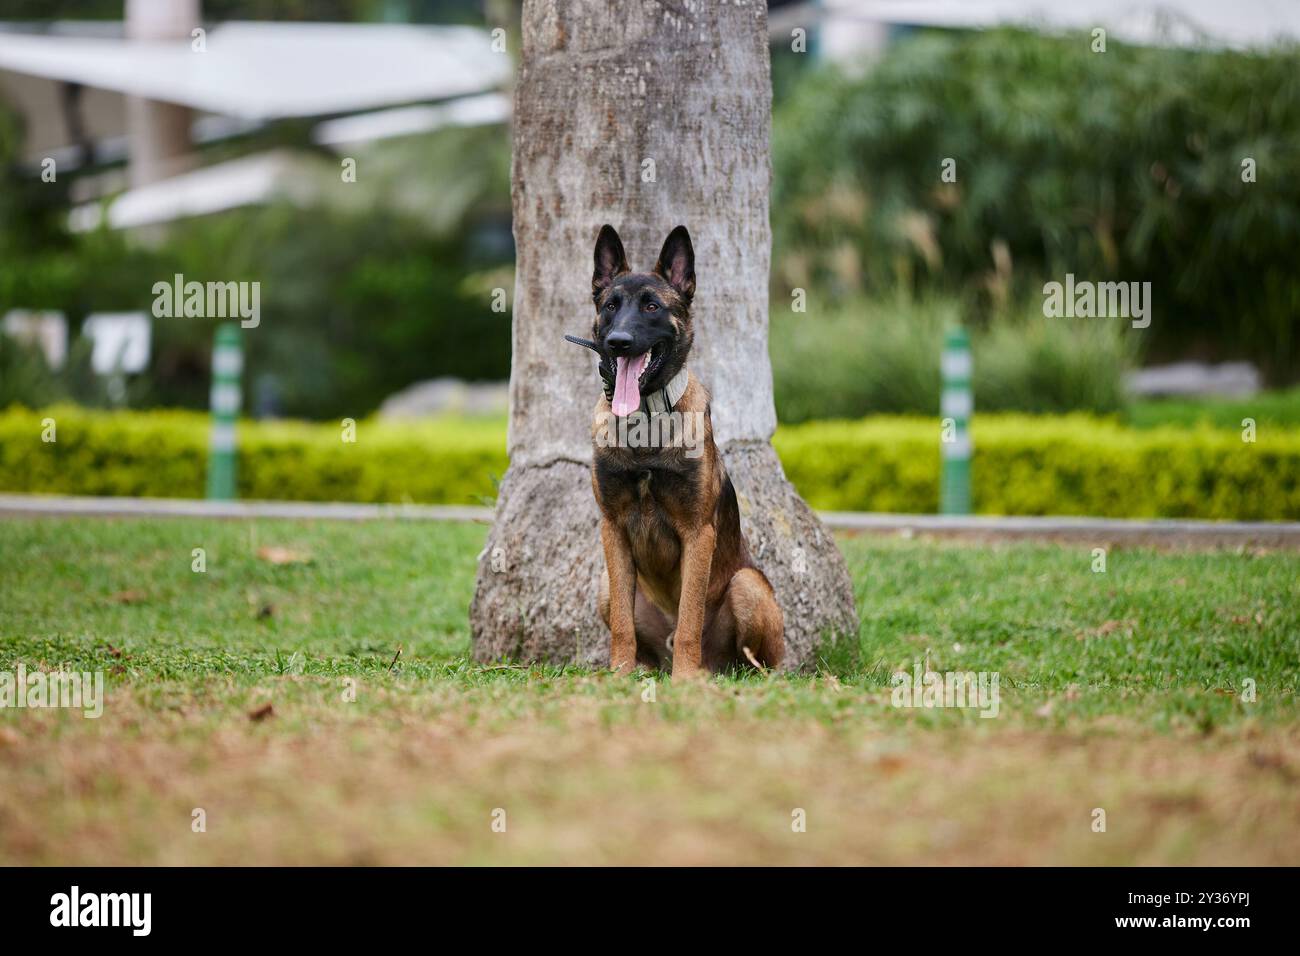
(644, 115)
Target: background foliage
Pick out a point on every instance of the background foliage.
(1117, 166)
(1123, 165)
(370, 287)
(825, 366)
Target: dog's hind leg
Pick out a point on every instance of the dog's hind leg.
(653, 629)
(754, 619)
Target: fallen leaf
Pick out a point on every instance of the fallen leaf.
(132, 596)
(276, 555)
(263, 712)
(115, 651)
(890, 764)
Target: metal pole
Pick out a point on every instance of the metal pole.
(957, 404)
(227, 364)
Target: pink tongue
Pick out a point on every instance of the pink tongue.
(627, 388)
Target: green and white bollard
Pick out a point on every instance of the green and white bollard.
(227, 365)
(956, 406)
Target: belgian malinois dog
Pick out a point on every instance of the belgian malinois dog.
(680, 589)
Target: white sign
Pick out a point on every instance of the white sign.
(49, 330)
(121, 341)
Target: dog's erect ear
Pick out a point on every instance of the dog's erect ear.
(677, 262)
(611, 261)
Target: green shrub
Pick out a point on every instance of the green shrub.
(25, 376)
(871, 356)
(1267, 409)
(1024, 465)
(1041, 465)
(1126, 166)
(165, 453)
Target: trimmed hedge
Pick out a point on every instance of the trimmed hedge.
(1058, 465)
(165, 454)
(1024, 465)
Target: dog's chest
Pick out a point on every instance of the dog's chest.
(647, 516)
(646, 502)
(656, 546)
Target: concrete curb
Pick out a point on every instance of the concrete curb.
(976, 527)
(1160, 532)
(89, 506)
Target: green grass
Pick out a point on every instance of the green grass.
(1163, 636)
(1279, 408)
(1120, 689)
(363, 590)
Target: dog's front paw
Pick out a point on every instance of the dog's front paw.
(686, 669)
(622, 653)
(687, 664)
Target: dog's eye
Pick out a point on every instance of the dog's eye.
(651, 307)
(610, 306)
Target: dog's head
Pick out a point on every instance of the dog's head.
(642, 330)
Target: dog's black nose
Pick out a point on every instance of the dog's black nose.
(619, 343)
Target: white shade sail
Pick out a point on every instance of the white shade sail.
(262, 71)
(1238, 24)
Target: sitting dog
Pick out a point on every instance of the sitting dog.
(680, 587)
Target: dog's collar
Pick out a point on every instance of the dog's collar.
(660, 400)
(663, 399)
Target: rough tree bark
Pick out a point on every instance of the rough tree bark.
(644, 115)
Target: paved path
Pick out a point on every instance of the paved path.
(978, 527)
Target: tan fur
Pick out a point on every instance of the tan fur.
(675, 557)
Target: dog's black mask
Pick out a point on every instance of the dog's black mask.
(642, 330)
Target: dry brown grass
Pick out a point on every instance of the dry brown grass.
(413, 778)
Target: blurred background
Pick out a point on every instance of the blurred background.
(1172, 156)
